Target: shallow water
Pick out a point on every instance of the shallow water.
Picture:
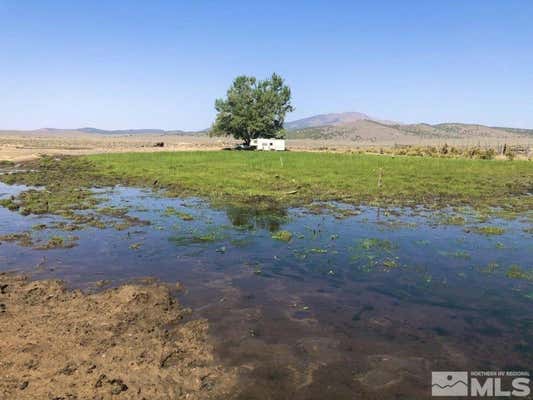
(354, 306)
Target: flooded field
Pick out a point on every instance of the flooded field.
(328, 301)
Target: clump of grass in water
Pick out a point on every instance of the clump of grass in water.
(58, 242)
(170, 211)
(135, 246)
(284, 236)
(490, 268)
(452, 220)
(209, 237)
(317, 250)
(373, 243)
(22, 239)
(489, 230)
(113, 211)
(517, 272)
(376, 253)
(39, 227)
(334, 210)
(390, 263)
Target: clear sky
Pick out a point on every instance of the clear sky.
(161, 64)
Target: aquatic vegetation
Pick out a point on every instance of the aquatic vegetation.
(39, 227)
(65, 226)
(336, 210)
(113, 211)
(489, 230)
(317, 250)
(517, 272)
(300, 255)
(127, 222)
(56, 200)
(209, 237)
(284, 236)
(390, 263)
(452, 220)
(22, 239)
(58, 242)
(198, 238)
(374, 243)
(490, 268)
(169, 211)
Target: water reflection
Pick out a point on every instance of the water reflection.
(250, 218)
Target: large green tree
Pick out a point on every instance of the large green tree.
(253, 108)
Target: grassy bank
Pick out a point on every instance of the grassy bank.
(282, 179)
(296, 178)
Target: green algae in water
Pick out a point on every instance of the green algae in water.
(517, 272)
(39, 227)
(452, 220)
(284, 236)
(374, 243)
(317, 250)
(171, 211)
(489, 230)
(113, 211)
(58, 242)
(209, 237)
(490, 268)
(390, 263)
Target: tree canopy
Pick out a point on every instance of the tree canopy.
(253, 108)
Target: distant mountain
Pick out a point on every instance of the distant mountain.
(361, 127)
(98, 131)
(122, 131)
(326, 119)
(350, 126)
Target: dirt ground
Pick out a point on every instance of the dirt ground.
(20, 146)
(24, 146)
(131, 342)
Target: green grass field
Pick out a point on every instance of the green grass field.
(298, 178)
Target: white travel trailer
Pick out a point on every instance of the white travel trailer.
(268, 144)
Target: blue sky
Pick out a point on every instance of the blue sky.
(161, 64)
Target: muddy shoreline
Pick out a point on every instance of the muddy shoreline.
(130, 342)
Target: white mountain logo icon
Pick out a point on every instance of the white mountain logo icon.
(449, 383)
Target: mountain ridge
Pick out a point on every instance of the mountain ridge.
(353, 126)
(356, 127)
